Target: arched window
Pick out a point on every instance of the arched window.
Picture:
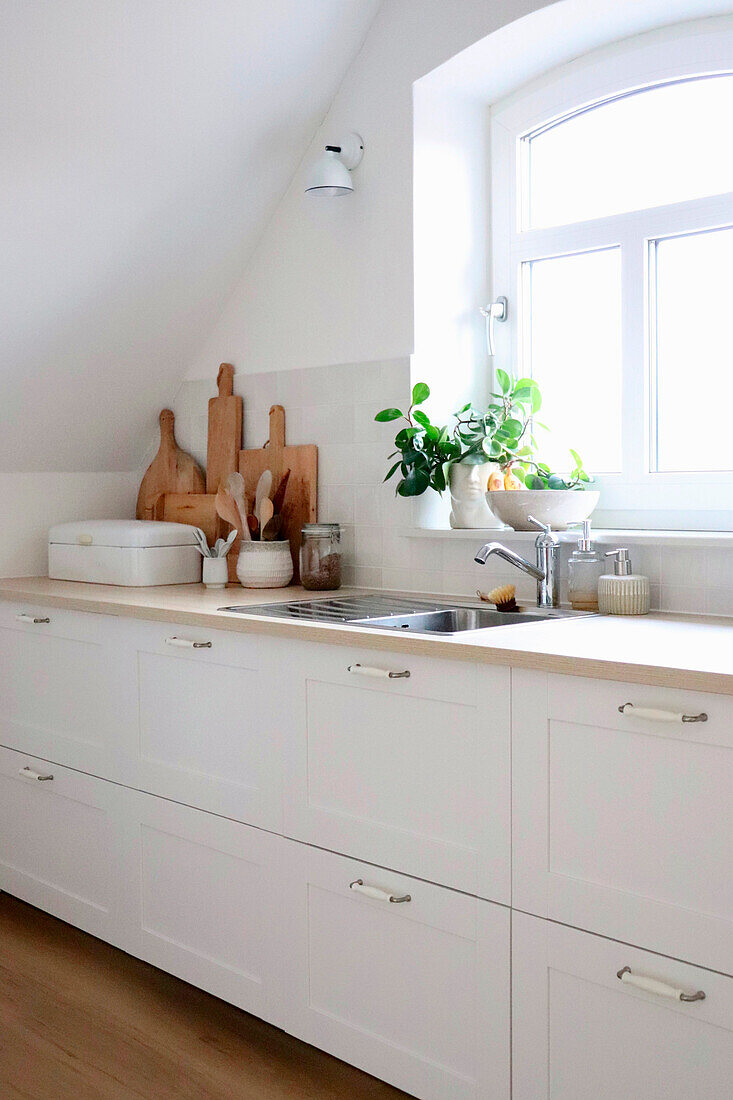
(612, 213)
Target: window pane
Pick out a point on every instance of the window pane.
(693, 351)
(658, 146)
(574, 337)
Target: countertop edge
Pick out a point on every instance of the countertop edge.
(459, 649)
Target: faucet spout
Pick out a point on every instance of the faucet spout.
(504, 552)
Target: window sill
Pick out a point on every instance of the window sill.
(604, 535)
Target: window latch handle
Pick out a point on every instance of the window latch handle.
(494, 311)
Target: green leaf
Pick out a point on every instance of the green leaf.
(421, 417)
(463, 410)
(388, 414)
(513, 427)
(532, 481)
(414, 483)
(536, 399)
(577, 459)
(504, 381)
(438, 481)
(420, 393)
(432, 432)
(392, 470)
(403, 437)
(474, 458)
(554, 481)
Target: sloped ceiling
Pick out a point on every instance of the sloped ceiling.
(143, 147)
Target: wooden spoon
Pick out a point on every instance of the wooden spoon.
(235, 487)
(264, 485)
(267, 511)
(228, 510)
(272, 529)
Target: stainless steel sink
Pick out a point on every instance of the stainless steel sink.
(413, 616)
(454, 620)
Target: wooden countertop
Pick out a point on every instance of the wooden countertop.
(680, 651)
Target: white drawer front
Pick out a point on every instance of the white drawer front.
(415, 992)
(623, 822)
(578, 1031)
(206, 732)
(60, 838)
(208, 900)
(411, 773)
(60, 689)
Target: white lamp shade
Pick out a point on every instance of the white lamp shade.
(329, 176)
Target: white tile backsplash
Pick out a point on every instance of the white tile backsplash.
(334, 407)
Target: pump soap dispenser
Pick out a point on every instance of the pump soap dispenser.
(585, 567)
(623, 592)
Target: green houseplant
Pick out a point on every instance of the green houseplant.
(502, 434)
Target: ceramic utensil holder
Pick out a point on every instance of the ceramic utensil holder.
(216, 572)
(265, 564)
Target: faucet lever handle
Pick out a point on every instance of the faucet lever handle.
(547, 528)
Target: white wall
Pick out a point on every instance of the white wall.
(331, 279)
(31, 503)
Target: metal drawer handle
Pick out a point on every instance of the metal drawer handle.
(379, 673)
(30, 619)
(28, 773)
(376, 893)
(186, 643)
(652, 714)
(651, 985)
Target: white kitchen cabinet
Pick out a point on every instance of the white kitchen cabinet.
(207, 899)
(578, 1031)
(62, 688)
(622, 822)
(206, 734)
(62, 836)
(410, 772)
(413, 991)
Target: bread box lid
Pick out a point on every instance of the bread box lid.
(122, 533)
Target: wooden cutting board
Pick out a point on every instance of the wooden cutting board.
(301, 498)
(225, 430)
(171, 471)
(198, 509)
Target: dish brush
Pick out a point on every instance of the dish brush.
(503, 597)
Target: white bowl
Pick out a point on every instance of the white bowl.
(555, 507)
(265, 564)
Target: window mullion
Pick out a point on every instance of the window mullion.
(634, 356)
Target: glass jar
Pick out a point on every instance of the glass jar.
(320, 557)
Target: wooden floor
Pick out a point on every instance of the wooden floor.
(81, 1020)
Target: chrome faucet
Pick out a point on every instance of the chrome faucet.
(545, 572)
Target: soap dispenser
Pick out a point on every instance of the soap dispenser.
(623, 592)
(585, 567)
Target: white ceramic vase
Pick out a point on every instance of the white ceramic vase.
(556, 507)
(265, 564)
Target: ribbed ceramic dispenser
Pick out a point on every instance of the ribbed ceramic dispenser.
(623, 592)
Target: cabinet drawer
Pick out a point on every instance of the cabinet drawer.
(60, 840)
(622, 822)
(207, 896)
(413, 991)
(60, 688)
(409, 772)
(206, 734)
(578, 1031)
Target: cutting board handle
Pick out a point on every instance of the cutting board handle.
(167, 423)
(225, 380)
(276, 442)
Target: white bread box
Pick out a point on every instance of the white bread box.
(131, 552)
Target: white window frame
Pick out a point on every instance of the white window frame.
(635, 497)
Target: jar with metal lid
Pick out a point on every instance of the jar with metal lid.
(320, 557)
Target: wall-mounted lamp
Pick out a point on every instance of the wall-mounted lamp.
(331, 173)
